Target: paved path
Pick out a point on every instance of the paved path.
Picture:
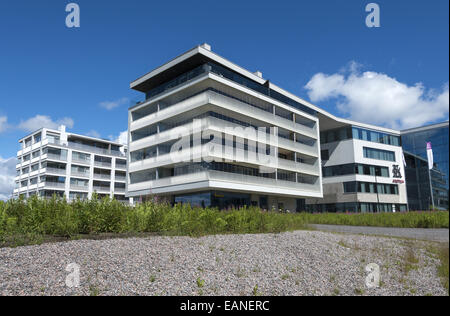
(415, 233)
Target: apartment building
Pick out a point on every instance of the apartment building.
(66, 164)
(318, 162)
(246, 141)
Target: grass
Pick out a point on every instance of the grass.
(36, 220)
(200, 282)
(443, 267)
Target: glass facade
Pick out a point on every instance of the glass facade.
(379, 154)
(417, 175)
(350, 132)
(220, 200)
(354, 168)
(231, 75)
(355, 207)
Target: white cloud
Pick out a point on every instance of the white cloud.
(3, 123)
(39, 121)
(7, 175)
(109, 105)
(121, 139)
(378, 99)
(93, 133)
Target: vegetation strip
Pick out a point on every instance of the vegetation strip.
(28, 221)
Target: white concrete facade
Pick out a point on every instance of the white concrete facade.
(66, 164)
(212, 104)
(203, 93)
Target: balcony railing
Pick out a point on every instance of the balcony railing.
(80, 174)
(102, 176)
(102, 164)
(55, 184)
(55, 170)
(87, 148)
(119, 190)
(101, 189)
(119, 178)
(79, 187)
(120, 166)
(56, 157)
(81, 160)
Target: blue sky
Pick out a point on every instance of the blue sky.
(320, 50)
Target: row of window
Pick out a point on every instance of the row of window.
(370, 187)
(62, 180)
(379, 154)
(356, 207)
(359, 133)
(354, 168)
(233, 76)
(161, 173)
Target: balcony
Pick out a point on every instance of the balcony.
(81, 160)
(101, 189)
(51, 184)
(102, 176)
(120, 178)
(121, 167)
(91, 149)
(102, 164)
(80, 174)
(119, 190)
(96, 150)
(79, 187)
(55, 171)
(56, 157)
(224, 180)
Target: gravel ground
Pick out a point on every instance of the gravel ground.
(441, 235)
(293, 263)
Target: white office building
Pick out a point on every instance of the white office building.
(66, 164)
(211, 133)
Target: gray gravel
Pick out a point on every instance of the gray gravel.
(293, 263)
(441, 235)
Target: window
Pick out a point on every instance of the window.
(325, 154)
(369, 187)
(379, 154)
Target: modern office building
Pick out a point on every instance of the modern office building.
(211, 133)
(418, 176)
(66, 164)
(363, 169)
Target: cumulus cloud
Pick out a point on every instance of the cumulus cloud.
(110, 105)
(376, 98)
(93, 133)
(40, 121)
(7, 175)
(121, 139)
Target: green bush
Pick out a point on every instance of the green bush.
(29, 220)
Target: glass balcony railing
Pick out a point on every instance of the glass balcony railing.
(55, 184)
(102, 176)
(55, 170)
(102, 164)
(87, 148)
(101, 189)
(56, 157)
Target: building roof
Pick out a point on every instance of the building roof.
(202, 53)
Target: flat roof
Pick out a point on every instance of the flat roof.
(72, 134)
(425, 127)
(199, 55)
